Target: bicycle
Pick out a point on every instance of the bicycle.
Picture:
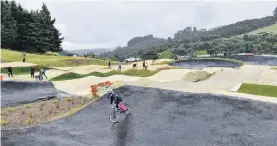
(114, 116)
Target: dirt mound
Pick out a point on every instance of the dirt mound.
(21, 92)
(196, 76)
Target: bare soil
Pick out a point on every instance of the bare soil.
(30, 115)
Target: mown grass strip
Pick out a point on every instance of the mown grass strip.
(50, 61)
(130, 72)
(256, 89)
(22, 70)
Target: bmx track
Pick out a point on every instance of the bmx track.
(159, 118)
(200, 64)
(21, 92)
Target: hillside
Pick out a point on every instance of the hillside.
(50, 61)
(234, 29)
(268, 29)
(134, 46)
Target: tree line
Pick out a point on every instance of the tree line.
(29, 31)
(264, 43)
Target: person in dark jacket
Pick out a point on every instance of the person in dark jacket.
(32, 71)
(10, 71)
(109, 64)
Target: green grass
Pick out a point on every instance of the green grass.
(255, 89)
(50, 61)
(164, 62)
(130, 72)
(268, 29)
(22, 70)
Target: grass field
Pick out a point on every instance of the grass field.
(268, 29)
(22, 70)
(50, 61)
(130, 72)
(255, 89)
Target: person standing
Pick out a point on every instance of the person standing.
(119, 66)
(109, 64)
(24, 57)
(10, 71)
(32, 71)
(42, 72)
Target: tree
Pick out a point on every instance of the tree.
(275, 12)
(8, 25)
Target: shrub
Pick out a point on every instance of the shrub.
(52, 53)
(10, 109)
(68, 98)
(50, 111)
(166, 55)
(27, 105)
(4, 122)
(29, 121)
(30, 115)
(42, 103)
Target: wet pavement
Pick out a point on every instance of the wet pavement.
(203, 63)
(160, 118)
(14, 93)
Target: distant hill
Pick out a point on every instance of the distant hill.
(268, 29)
(95, 51)
(135, 45)
(234, 29)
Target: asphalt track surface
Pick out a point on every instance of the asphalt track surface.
(256, 60)
(159, 118)
(203, 63)
(14, 93)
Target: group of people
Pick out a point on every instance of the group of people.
(144, 65)
(32, 72)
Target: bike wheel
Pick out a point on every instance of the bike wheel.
(114, 116)
(128, 109)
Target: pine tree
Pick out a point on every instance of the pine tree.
(8, 25)
(275, 12)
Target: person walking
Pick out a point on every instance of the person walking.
(119, 66)
(24, 57)
(110, 65)
(32, 71)
(10, 71)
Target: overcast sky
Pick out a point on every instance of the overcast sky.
(107, 24)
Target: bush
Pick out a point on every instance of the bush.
(27, 105)
(41, 103)
(52, 53)
(10, 109)
(200, 52)
(165, 55)
(68, 98)
(4, 122)
(29, 121)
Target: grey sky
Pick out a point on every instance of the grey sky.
(101, 24)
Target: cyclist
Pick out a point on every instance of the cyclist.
(116, 99)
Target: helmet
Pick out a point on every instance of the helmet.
(110, 93)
